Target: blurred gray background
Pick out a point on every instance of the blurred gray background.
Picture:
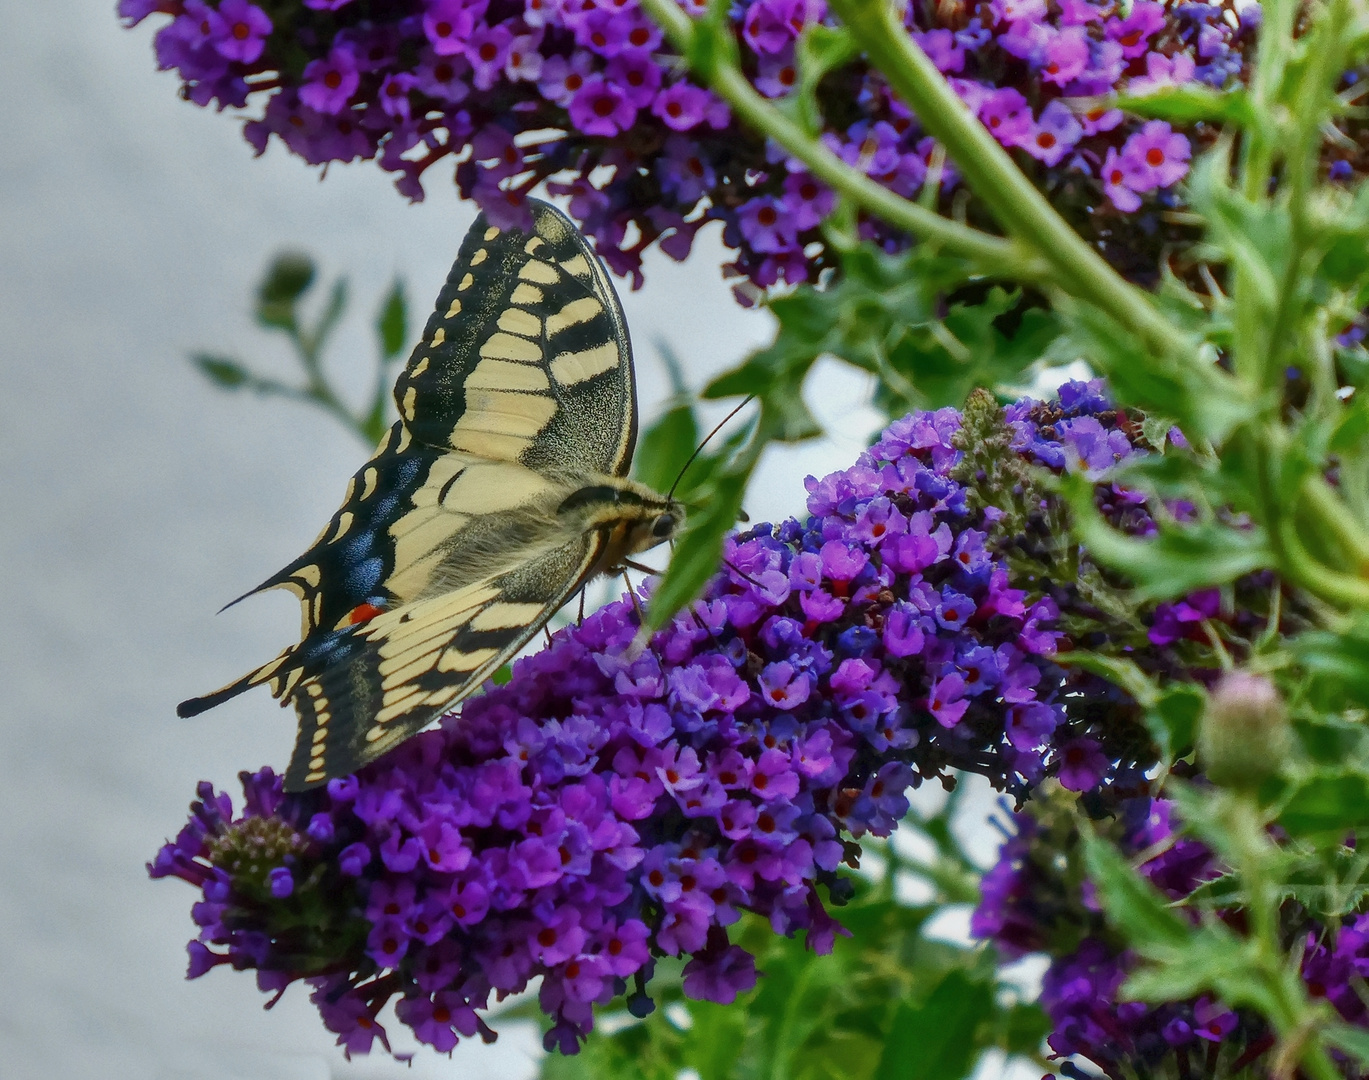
(137, 499)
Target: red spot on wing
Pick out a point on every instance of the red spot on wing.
(363, 613)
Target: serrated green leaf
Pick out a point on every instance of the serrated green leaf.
(221, 371)
(392, 323)
(1205, 401)
(1177, 559)
(664, 448)
(699, 547)
(935, 1041)
(1132, 904)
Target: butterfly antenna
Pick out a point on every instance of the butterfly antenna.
(699, 449)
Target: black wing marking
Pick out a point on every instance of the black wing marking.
(526, 357)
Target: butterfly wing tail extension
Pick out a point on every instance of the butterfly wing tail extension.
(196, 705)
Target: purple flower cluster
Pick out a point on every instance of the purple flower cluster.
(1030, 904)
(584, 95)
(608, 807)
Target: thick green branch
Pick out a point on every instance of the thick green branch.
(1001, 258)
(992, 175)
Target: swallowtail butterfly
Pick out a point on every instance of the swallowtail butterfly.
(498, 494)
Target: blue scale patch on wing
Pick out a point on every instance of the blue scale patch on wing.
(341, 578)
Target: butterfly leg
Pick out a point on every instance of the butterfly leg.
(632, 594)
(742, 574)
(641, 568)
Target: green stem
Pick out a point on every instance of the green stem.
(999, 257)
(991, 173)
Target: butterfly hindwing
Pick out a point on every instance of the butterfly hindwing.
(404, 668)
(526, 357)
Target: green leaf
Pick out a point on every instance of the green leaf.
(935, 1041)
(392, 323)
(1177, 559)
(1204, 401)
(287, 278)
(1340, 660)
(314, 340)
(664, 448)
(1328, 801)
(699, 548)
(1173, 720)
(221, 371)
(1133, 905)
(820, 49)
(1189, 104)
(1352, 1040)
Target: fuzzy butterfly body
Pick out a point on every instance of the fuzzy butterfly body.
(497, 495)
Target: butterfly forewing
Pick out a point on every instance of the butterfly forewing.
(448, 554)
(526, 356)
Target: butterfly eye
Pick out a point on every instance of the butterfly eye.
(665, 525)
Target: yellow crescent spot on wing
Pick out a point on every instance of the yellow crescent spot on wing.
(322, 732)
(370, 477)
(455, 309)
(317, 608)
(311, 575)
(505, 375)
(506, 616)
(540, 272)
(439, 337)
(534, 245)
(479, 257)
(571, 368)
(410, 403)
(405, 438)
(419, 368)
(343, 523)
(526, 294)
(577, 265)
(491, 233)
(502, 346)
(574, 313)
(517, 321)
(466, 283)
